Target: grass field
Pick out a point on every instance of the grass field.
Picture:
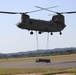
(43, 71)
(58, 57)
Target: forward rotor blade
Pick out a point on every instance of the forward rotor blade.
(10, 12)
(5, 12)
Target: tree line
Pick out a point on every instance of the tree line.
(51, 53)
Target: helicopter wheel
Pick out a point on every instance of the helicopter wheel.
(39, 32)
(31, 32)
(60, 33)
(51, 33)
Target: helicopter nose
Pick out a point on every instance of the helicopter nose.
(19, 25)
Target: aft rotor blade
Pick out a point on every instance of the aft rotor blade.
(68, 12)
(10, 12)
(41, 9)
(46, 9)
(57, 12)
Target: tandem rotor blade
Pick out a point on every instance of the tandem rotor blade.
(5, 12)
(72, 12)
(41, 9)
(45, 9)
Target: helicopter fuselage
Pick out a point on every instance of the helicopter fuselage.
(40, 25)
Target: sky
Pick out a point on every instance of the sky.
(13, 39)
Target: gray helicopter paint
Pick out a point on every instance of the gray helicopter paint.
(41, 25)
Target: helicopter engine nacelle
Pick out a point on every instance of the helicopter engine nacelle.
(58, 19)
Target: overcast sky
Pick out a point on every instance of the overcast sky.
(13, 39)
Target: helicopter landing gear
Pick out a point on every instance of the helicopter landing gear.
(51, 33)
(31, 32)
(60, 33)
(39, 32)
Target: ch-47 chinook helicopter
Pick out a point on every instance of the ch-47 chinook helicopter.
(56, 24)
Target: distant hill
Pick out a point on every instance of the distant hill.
(41, 51)
(44, 51)
(1, 53)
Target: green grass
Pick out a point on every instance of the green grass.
(32, 59)
(58, 71)
(24, 70)
(62, 57)
(17, 60)
(43, 71)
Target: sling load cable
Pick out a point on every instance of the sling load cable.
(37, 41)
(47, 41)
